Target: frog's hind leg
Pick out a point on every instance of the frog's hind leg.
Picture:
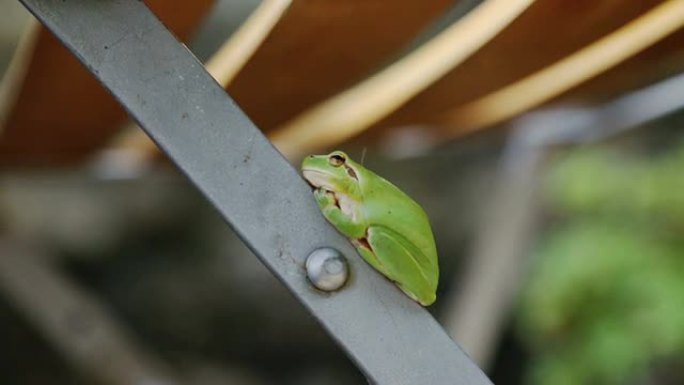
(405, 264)
(366, 251)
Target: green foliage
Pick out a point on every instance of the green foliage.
(605, 300)
(595, 181)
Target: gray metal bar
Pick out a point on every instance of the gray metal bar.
(392, 339)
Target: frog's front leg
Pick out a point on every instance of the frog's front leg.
(351, 226)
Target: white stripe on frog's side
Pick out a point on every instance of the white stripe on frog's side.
(347, 205)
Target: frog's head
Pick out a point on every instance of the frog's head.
(334, 172)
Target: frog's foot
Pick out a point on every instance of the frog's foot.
(413, 296)
(326, 198)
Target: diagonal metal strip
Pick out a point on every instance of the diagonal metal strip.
(161, 84)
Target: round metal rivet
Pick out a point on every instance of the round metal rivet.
(327, 269)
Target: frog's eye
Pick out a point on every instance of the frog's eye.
(336, 160)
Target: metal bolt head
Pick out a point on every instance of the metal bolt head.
(327, 269)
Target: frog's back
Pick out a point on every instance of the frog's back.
(386, 205)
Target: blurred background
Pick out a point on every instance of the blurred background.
(543, 138)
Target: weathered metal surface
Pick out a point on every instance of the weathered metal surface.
(161, 84)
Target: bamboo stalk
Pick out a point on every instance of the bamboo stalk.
(227, 62)
(571, 71)
(11, 83)
(354, 110)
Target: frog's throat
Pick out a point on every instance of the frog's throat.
(317, 179)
